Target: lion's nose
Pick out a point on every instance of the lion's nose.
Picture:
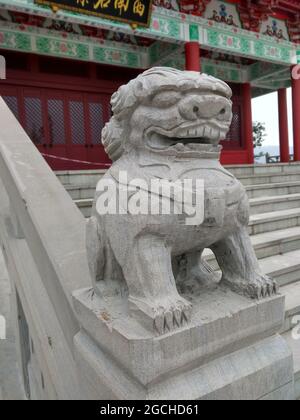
(205, 107)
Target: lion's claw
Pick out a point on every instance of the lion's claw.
(258, 288)
(174, 316)
(165, 314)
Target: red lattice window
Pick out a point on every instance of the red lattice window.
(56, 121)
(34, 119)
(96, 121)
(12, 103)
(77, 122)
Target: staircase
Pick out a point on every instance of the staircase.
(274, 193)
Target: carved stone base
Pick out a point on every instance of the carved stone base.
(230, 350)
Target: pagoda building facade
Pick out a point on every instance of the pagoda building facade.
(64, 61)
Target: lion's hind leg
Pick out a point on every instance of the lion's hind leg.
(105, 271)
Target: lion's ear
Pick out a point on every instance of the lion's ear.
(112, 135)
(139, 88)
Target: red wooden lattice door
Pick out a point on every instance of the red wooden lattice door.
(64, 125)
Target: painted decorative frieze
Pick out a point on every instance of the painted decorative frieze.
(222, 12)
(275, 28)
(167, 26)
(167, 4)
(48, 42)
(194, 7)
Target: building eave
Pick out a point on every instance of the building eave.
(174, 27)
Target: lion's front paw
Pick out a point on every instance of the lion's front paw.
(173, 315)
(258, 287)
(164, 314)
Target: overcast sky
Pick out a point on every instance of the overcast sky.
(265, 110)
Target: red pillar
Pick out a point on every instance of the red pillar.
(247, 119)
(192, 56)
(283, 126)
(296, 111)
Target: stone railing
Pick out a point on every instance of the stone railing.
(42, 235)
(276, 158)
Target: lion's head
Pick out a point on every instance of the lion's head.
(168, 111)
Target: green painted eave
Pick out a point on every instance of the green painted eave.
(174, 27)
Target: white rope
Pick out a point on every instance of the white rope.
(75, 160)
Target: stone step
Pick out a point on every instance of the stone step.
(79, 192)
(269, 204)
(295, 347)
(85, 206)
(276, 242)
(257, 205)
(268, 178)
(81, 177)
(292, 306)
(91, 177)
(264, 169)
(259, 223)
(276, 220)
(271, 190)
(284, 267)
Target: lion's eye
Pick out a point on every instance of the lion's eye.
(166, 99)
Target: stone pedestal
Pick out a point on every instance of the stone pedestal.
(230, 350)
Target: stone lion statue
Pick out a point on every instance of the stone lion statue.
(167, 125)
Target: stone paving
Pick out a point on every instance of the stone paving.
(10, 382)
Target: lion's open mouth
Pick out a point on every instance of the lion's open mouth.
(184, 139)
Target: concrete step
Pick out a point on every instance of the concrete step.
(295, 347)
(268, 178)
(271, 190)
(84, 178)
(277, 242)
(284, 268)
(85, 206)
(269, 204)
(257, 205)
(81, 177)
(259, 223)
(264, 169)
(276, 220)
(91, 177)
(80, 192)
(292, 306)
